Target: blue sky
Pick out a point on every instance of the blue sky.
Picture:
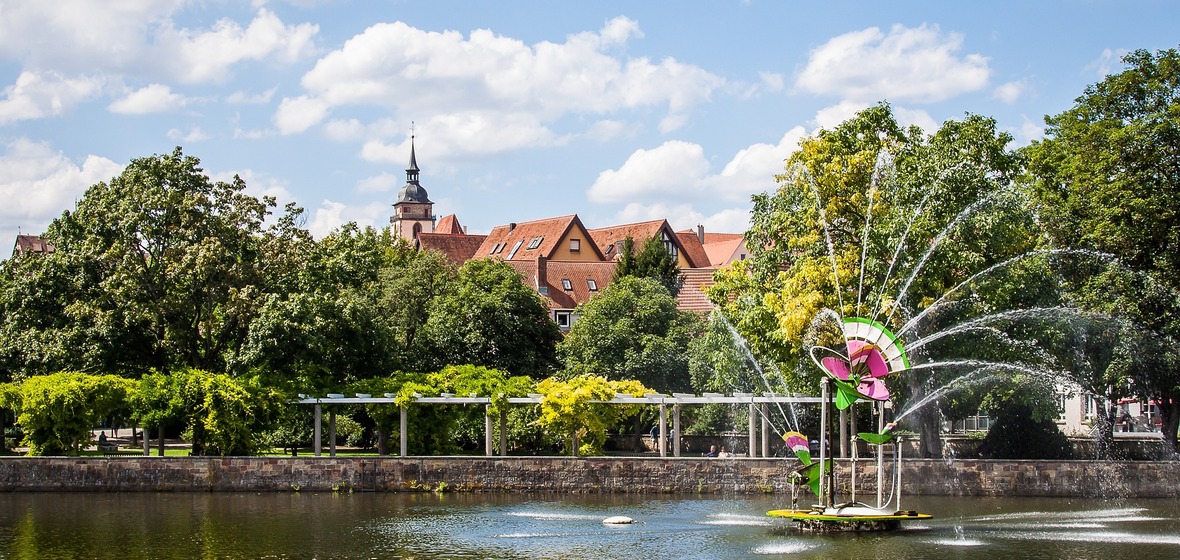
(616, 111)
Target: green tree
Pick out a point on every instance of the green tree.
(1107, 177)
(57, 411)
(155, 269)
(573, 407)
(490, 318)
(652, 261)
(632, 330)
(222, 415)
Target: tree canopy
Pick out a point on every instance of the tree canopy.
(1107, 177)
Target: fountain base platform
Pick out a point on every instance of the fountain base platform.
(848, 518)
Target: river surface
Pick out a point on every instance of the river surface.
(431, 526)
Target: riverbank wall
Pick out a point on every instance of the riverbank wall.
(1082, 479)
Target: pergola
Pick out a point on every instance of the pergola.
(758, 406)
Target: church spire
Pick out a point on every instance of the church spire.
(413, 191)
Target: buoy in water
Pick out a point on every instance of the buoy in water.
(618, 520)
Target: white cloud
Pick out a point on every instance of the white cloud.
(206, 56)
(831, 117)
(446, 75)
(38, 183)
(297, 114)
(462, 136)
(36, 95)
(1011, 92)
(195, 134)
(140, 39)
(1105, 63)
(917, 64)
(679, 170)
(331, 215)
(244, 98)
(382, 182)
(910, 117)
(772, 81)
(1029, 130)
(155, 98)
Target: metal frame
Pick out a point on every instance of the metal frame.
(662, 400)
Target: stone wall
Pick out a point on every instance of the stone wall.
(562, 474)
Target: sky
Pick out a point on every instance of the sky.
(616, 111)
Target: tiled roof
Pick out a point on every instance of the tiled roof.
(722, 251)
(547, 233)
(638, 232)
(579, 274)
(718, 237)
(449, 224)
(692, 295)
(31, 244)
(457, 247)
(693, 250)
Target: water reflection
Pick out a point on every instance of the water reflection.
(304, 525)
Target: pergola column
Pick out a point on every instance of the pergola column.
(663, 430)
(404, 439)
(316, 445)
(503, 432)
(753, 430)
(765, 430)
(676, 430)
(487, 429)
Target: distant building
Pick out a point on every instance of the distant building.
(31, 245)
(563, 260)
(413, 213)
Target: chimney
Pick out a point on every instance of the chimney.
(701, 233)
(542, 277)
(511, 226)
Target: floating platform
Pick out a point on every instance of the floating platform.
(848, 518)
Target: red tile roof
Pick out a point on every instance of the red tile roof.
(693, 250)
(515, 242)
(458, 248)
(640, 232)
(692, 293)
(721, 252)
(449, 224)
(718, 237)
(579, 274)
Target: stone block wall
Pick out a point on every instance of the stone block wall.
(569, 475)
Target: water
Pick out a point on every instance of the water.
(431, 526)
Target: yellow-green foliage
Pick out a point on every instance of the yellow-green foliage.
(575, 407)
(57, 411)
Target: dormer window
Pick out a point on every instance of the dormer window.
(592, 284)
(535, 242)
(566, 284)
(668, 243)
(512, 253)
(495, 248)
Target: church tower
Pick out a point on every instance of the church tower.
(413, 213)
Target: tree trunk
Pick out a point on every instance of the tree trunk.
(1170, 421)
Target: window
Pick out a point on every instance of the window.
(502, 246)
(593, 285)
(563, 319)
(566, 284)
(535, 242)
(575, 245)
(494, 249)
(668, 243)
(610, 249)
(512, 253)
